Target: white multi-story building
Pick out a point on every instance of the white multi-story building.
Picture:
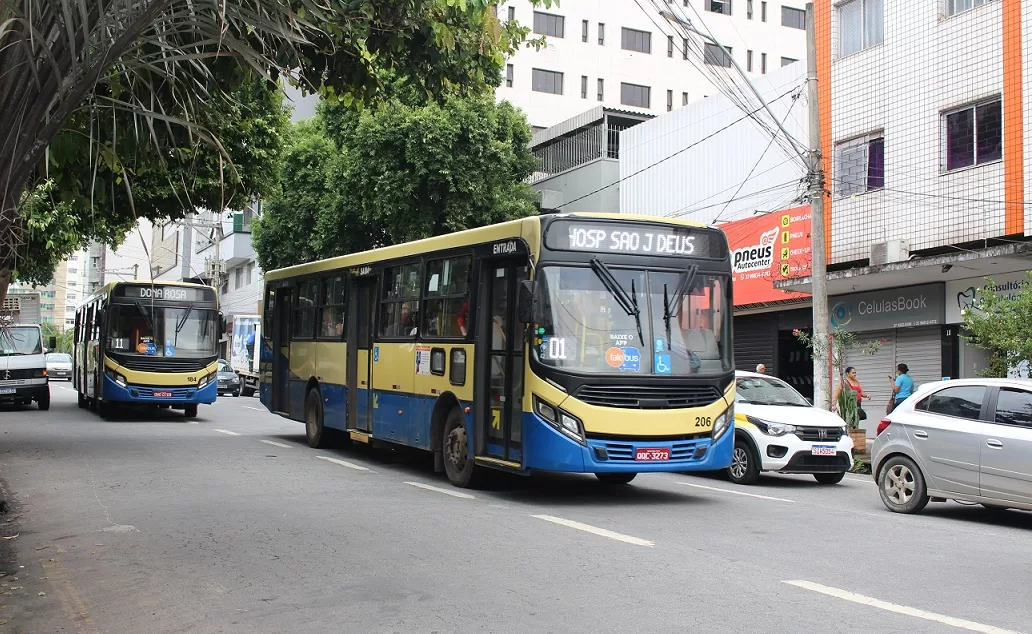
(632, 54)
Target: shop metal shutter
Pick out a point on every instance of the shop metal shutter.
(873, 370)
(921, 350)
(756, 338)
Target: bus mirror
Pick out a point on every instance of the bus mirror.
(52, 344)
(525, 302)
(222, 323)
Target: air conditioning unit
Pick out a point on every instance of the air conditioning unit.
(890, 251)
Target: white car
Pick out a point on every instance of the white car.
(776, 429)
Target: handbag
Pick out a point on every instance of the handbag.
(890, 406)
(861, 414)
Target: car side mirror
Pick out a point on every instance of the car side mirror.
(525, 302)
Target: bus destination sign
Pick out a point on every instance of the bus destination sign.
(167, 293)
(628, 238)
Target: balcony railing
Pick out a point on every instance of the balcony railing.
(590, 144)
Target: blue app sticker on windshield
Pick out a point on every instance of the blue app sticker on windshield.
(631, 360)
(376, 353)
(660, 345)
(151, 349)
(662, 364)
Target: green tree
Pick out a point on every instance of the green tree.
(999, 324)
(78, 64)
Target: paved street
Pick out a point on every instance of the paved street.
(230, 523)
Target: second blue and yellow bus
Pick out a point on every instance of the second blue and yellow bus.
(147, 343)
(577, 343)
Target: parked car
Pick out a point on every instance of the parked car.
(59, 366)
(228, 379)
(777, 429)
(968, 440)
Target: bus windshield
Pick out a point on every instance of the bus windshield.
(180, 331)
(678, 323)
(20, 340)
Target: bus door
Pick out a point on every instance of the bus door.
(281, 349)
(361, 319)
(498, 385)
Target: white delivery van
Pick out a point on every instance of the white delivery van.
(23, 365)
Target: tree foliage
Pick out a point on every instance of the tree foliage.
(398, 172)
(999, 324)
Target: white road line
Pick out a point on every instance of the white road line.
(257, 409)
(275, 444)
(454, 494)
(587, 528)
(193, 422)
(68, 388)
(226, 432)
(868, 479)
(898, 609)
(752, 495)
(343, 463)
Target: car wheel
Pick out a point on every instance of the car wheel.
(44, 401)
(314, 431)
(902, 485)
(459, 467)
(829, 478)
(236, 394)
(247, 391)
(745, 465)
(615, 478)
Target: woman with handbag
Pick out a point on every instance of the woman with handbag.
(851, 383)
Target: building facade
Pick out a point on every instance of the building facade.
(632, 55)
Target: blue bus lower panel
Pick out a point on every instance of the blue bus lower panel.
(547, 449)
(145, 394)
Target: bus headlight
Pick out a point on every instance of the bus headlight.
(564, 422)
(116, 377)
(723, 423)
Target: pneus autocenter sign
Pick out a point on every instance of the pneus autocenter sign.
(889, 308)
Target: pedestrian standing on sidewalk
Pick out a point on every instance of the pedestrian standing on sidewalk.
(853, 384)
(761, 369)
(902, 387)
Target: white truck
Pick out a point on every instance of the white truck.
(243, 356)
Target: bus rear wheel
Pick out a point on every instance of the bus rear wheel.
(615, 478)
(459, 467)
(314, 430)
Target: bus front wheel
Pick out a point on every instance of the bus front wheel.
(191, 410)
(314, 429)
(615, 478)
(83, 403)
(457, 463)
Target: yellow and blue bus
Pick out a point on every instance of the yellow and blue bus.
(578, 343)
(147, 343)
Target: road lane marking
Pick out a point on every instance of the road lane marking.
(257, 409)
(226, 432)
(275, 444)
(868, 479)
(343, 463)
(752, 495)
(454, 494)
(898, 609)
(587, 528)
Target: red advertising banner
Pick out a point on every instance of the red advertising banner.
(766, 248)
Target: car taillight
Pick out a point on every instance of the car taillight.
(883, 425)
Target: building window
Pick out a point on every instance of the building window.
(331, 308)
(953, 7)
(684, 48)
(601, 34)
(238, 277)
(793, 18)
(584, 31)
(601, 91)
(684, 99)
(250, 274)
(635, 40)
(785, 61)
(508, 75)
(446, 302)
(398, 316)
(584, 87)
(763, 11)
(715, 56)
(748, 9)
(512, 14)
(748, 61)
(635, 95)
(972, 135)
(669, 100)
(763, 63)
(70, 295)
(670, 46)
(547, 81)
(860, 25)
(860, 165)
(549, 24)
(719, 6)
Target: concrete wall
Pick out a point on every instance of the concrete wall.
(588, 183)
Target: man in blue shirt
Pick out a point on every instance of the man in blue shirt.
(902, 385)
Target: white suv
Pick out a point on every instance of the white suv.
(776, 429)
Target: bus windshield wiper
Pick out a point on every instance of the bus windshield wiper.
(689, 277)
(630, 306)
(146, 317)
(637, 312)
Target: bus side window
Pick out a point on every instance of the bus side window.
(399, 316)
(331, 311)
(304, 314)
(446, 300)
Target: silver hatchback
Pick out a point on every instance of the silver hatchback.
(967, 440)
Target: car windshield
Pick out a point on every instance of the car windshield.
(768, 391)
(59, 357)
(18, 340)
(224, 367)
(678, 322)
(181, 331)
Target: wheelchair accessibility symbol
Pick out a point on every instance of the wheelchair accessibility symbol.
(662, 364)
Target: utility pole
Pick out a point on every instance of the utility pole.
(819, 258)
